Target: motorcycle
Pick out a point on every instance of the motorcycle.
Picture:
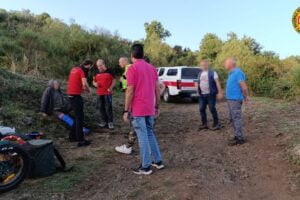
(14, 165)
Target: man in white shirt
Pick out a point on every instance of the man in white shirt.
(209, 89)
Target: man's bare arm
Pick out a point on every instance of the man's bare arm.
(128, 97)
(220, 91)
(162, 88)
(85, 85)
(244, 89)
(197, 86)
(112, 85)
(95, 83)
(157, 94)
(219, 87)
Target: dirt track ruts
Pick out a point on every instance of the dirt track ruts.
(200, 165)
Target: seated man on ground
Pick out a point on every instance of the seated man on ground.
(54, 103)
(53, 100)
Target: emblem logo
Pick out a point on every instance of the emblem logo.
(296, 20)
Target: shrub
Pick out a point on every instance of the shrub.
(282, 89)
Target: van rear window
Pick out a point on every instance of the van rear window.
(190, 73)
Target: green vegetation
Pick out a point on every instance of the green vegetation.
(19, 100)
(42, 46)
(35, 48)
(20, 97)
(162, 54)
(267, 75)
(19, 106)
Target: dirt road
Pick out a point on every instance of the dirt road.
(200, 165)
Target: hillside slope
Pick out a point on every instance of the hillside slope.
(20, 105)
(19, 100)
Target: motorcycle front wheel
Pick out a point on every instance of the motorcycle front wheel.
(14, 166)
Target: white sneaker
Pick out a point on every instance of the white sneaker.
(158, 165)
(111, 126)
(123, 149)
(102, 125)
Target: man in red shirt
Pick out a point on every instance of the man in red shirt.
(77, 84)
(105, 82)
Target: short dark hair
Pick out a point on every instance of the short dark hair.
(137, 51)
(88, 62)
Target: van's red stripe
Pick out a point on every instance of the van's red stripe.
(183, 84)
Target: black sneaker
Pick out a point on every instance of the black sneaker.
(202, 127)
(158, 165)
(232, 141)
(236, 141)
(216, 127)
(240, 141)
(83, 143)
(143, 171)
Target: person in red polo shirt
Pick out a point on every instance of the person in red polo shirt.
(105, 81)
(77, 84)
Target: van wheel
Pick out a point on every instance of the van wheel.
(166, 96)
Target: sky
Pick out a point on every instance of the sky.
(268, 21)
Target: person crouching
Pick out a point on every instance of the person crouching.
(105, 81)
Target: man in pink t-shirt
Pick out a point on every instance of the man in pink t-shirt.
(142, 99)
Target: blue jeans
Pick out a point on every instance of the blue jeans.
(144, 128)
(210, 100)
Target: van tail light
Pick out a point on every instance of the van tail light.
(179, 84)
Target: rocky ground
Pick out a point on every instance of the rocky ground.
(200, 164)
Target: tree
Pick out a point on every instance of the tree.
(254, 46)
(210, 47)
(160, 53)
(183, 57)
(231, 36)
(156, 28)
(234, 47)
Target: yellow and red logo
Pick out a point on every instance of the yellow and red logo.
(296, 20)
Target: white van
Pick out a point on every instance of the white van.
(179, 81)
